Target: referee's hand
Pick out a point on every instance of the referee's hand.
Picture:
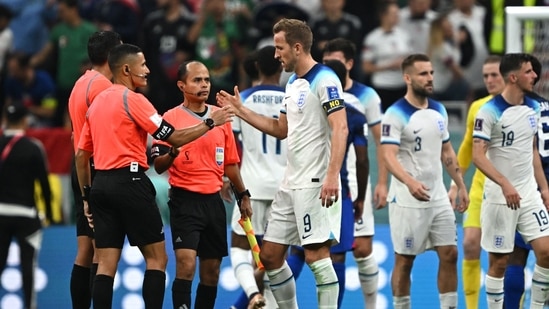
(88, 214)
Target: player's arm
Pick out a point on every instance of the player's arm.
(163, 157)
(481, 161)
(362, 171)
(539, 174)
(233, 173)
(380, 191)
(337, 120)
(277, 127)
(416, 188)
(448, 157)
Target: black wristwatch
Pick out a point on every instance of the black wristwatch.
(86, 190)
(209, 122)
(171, 154)
(243, 194)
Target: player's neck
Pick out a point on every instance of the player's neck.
(195, 107)
(269, 80)
(103, 69)
(302, 68)
(513, 96)
(419, 102)
(348, 83)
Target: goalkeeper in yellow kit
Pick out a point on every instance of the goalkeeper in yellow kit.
(471, 223)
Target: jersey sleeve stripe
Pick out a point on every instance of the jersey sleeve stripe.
(390, 142)
(484, 137)
(126, 106)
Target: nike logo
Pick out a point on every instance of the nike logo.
(497, 300)
(306, 236)
(416, 131)
(543, 229)
(504, 127)
(358, 229)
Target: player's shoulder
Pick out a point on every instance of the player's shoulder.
(437, 106)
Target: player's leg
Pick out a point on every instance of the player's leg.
(318, 227)
(84, 268)
(533, 224)
(345, 244)
(471, 248)
(241, 255)
(29, 237)
(498, 239)
(513, 283)
(281, 230)
(362, 251)
(443, 238)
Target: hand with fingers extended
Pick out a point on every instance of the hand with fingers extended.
(330, 191)
(222, 115)
(224, 98)
(419, 191)
(380, 196)
(511, 195)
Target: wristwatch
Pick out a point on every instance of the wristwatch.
(209, 122)
(86, 195)
(243, 194)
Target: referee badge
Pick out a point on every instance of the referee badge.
(219, 155)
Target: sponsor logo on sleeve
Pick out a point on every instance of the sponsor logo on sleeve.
(478, 124)
(386, 130)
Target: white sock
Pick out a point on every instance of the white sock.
(270, 301)
(243, 270)
(494, 292)
(283, 286)
(368, 274)
(327, 286)
(401, 302)
(540, 287)
(448, 300)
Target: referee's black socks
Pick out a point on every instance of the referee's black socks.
(102, 292)
(154, 285)
(181, 293)
(205, 296)
(80, 287)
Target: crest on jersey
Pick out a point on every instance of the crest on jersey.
(332, 93)
(386, 130)
(498, 241)
(478, 124)
(440, 124)
(301, 99)
(532, 121)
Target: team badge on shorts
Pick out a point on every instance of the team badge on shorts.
(409, 242)
(498, 241)
(219, 155)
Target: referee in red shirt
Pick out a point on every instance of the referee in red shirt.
(122, 197)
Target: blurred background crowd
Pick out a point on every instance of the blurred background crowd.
(43, 47)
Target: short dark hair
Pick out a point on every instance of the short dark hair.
(267, 64)
(120, 53)
(5, 12)
(295, 31)
(339, 68)
(492, 59)
(99, 45)
(249, 65)
(512, 62)
(345, 46)
(412, 59)
(537, 67)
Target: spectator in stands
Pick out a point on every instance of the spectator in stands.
(121, 16)
(467, 19)
(6, 46)
(219, 45)
(445, 56)
(383, 51)
(416, 19)
(33, 88)
(22, 163)
(68, 40)
(335, 23)
(165, 43)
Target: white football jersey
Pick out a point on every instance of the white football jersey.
(309, 100)
(263, 156)
(510, 131)
(419, 133)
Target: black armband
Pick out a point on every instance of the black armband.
(86, 190)
(333, 105)
(164, 131)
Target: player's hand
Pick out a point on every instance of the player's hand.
(245, 208)
(545, 198)
(452, 195)
(380, 196)
(358, 206)
(329, 193)
(222, 115)
(512, 197)
(224, 98)
(88, 214)
(419, 191)
(463, 200)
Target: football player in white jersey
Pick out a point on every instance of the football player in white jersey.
(505, 150)
(366, 100)
(262, 166)
(414, 135)
(306, 210)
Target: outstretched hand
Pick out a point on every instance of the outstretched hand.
(222, 115)
(224, 98)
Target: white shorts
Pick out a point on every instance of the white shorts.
(260, 209)
(298, 218)
(499, 223)
(415, 230)
(365, 226)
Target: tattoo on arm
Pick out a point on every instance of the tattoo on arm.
(448, 162)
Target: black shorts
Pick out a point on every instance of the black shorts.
(123, 204)
(20, 228)
(82, 226)
(198, 222)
